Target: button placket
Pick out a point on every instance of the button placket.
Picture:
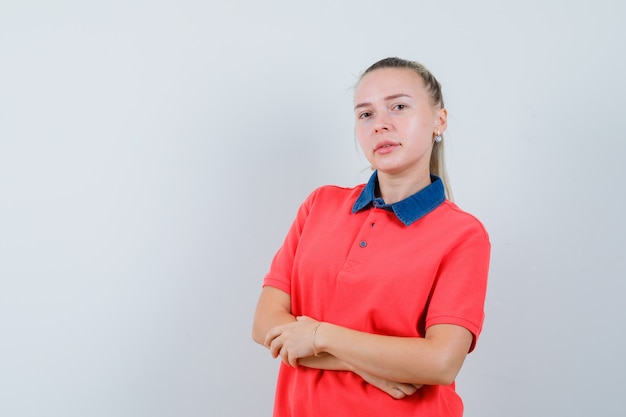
(360, 249)
(368, 228)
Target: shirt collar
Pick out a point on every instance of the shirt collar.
(409, 210)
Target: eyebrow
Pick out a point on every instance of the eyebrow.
(391, 97)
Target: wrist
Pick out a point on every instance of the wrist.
(316, 352)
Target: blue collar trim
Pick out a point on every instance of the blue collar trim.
(409, 210)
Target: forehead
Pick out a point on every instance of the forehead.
(389, 81)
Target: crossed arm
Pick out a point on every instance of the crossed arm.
(396, 365)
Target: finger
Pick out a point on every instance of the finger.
(275, 347)
(293, 361)
(270, 336)
(283, 357)
(407, 389)
(397, 393)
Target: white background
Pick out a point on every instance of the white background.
(154, 153)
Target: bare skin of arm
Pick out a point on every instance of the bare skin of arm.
(434, 359)
(274, 311)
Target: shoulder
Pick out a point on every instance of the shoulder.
(333, 194)
(454, 219)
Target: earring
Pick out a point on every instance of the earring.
(438, 138)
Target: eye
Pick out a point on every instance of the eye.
(364, 115)
(399, 107)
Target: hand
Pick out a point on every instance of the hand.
(292, 341)
(397, 390)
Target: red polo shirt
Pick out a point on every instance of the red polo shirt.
(351, 260)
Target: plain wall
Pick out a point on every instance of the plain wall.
(154, 153)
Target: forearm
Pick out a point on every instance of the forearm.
(273, 309)
(434, 360)
(294, 342)
(264, 322)
(326, 362)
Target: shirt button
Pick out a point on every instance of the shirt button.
(362, 243)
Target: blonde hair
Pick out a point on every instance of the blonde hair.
(437, 163)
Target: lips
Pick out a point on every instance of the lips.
(385, 146)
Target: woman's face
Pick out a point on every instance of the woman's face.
(396, 121)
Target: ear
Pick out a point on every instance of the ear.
(441, 120)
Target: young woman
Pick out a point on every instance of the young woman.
(376, 295)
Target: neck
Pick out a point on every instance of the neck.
(396, 188)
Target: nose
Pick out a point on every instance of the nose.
(381, 124)
(381, 128)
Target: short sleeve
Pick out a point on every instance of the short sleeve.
(281, 268)
(459, 291)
